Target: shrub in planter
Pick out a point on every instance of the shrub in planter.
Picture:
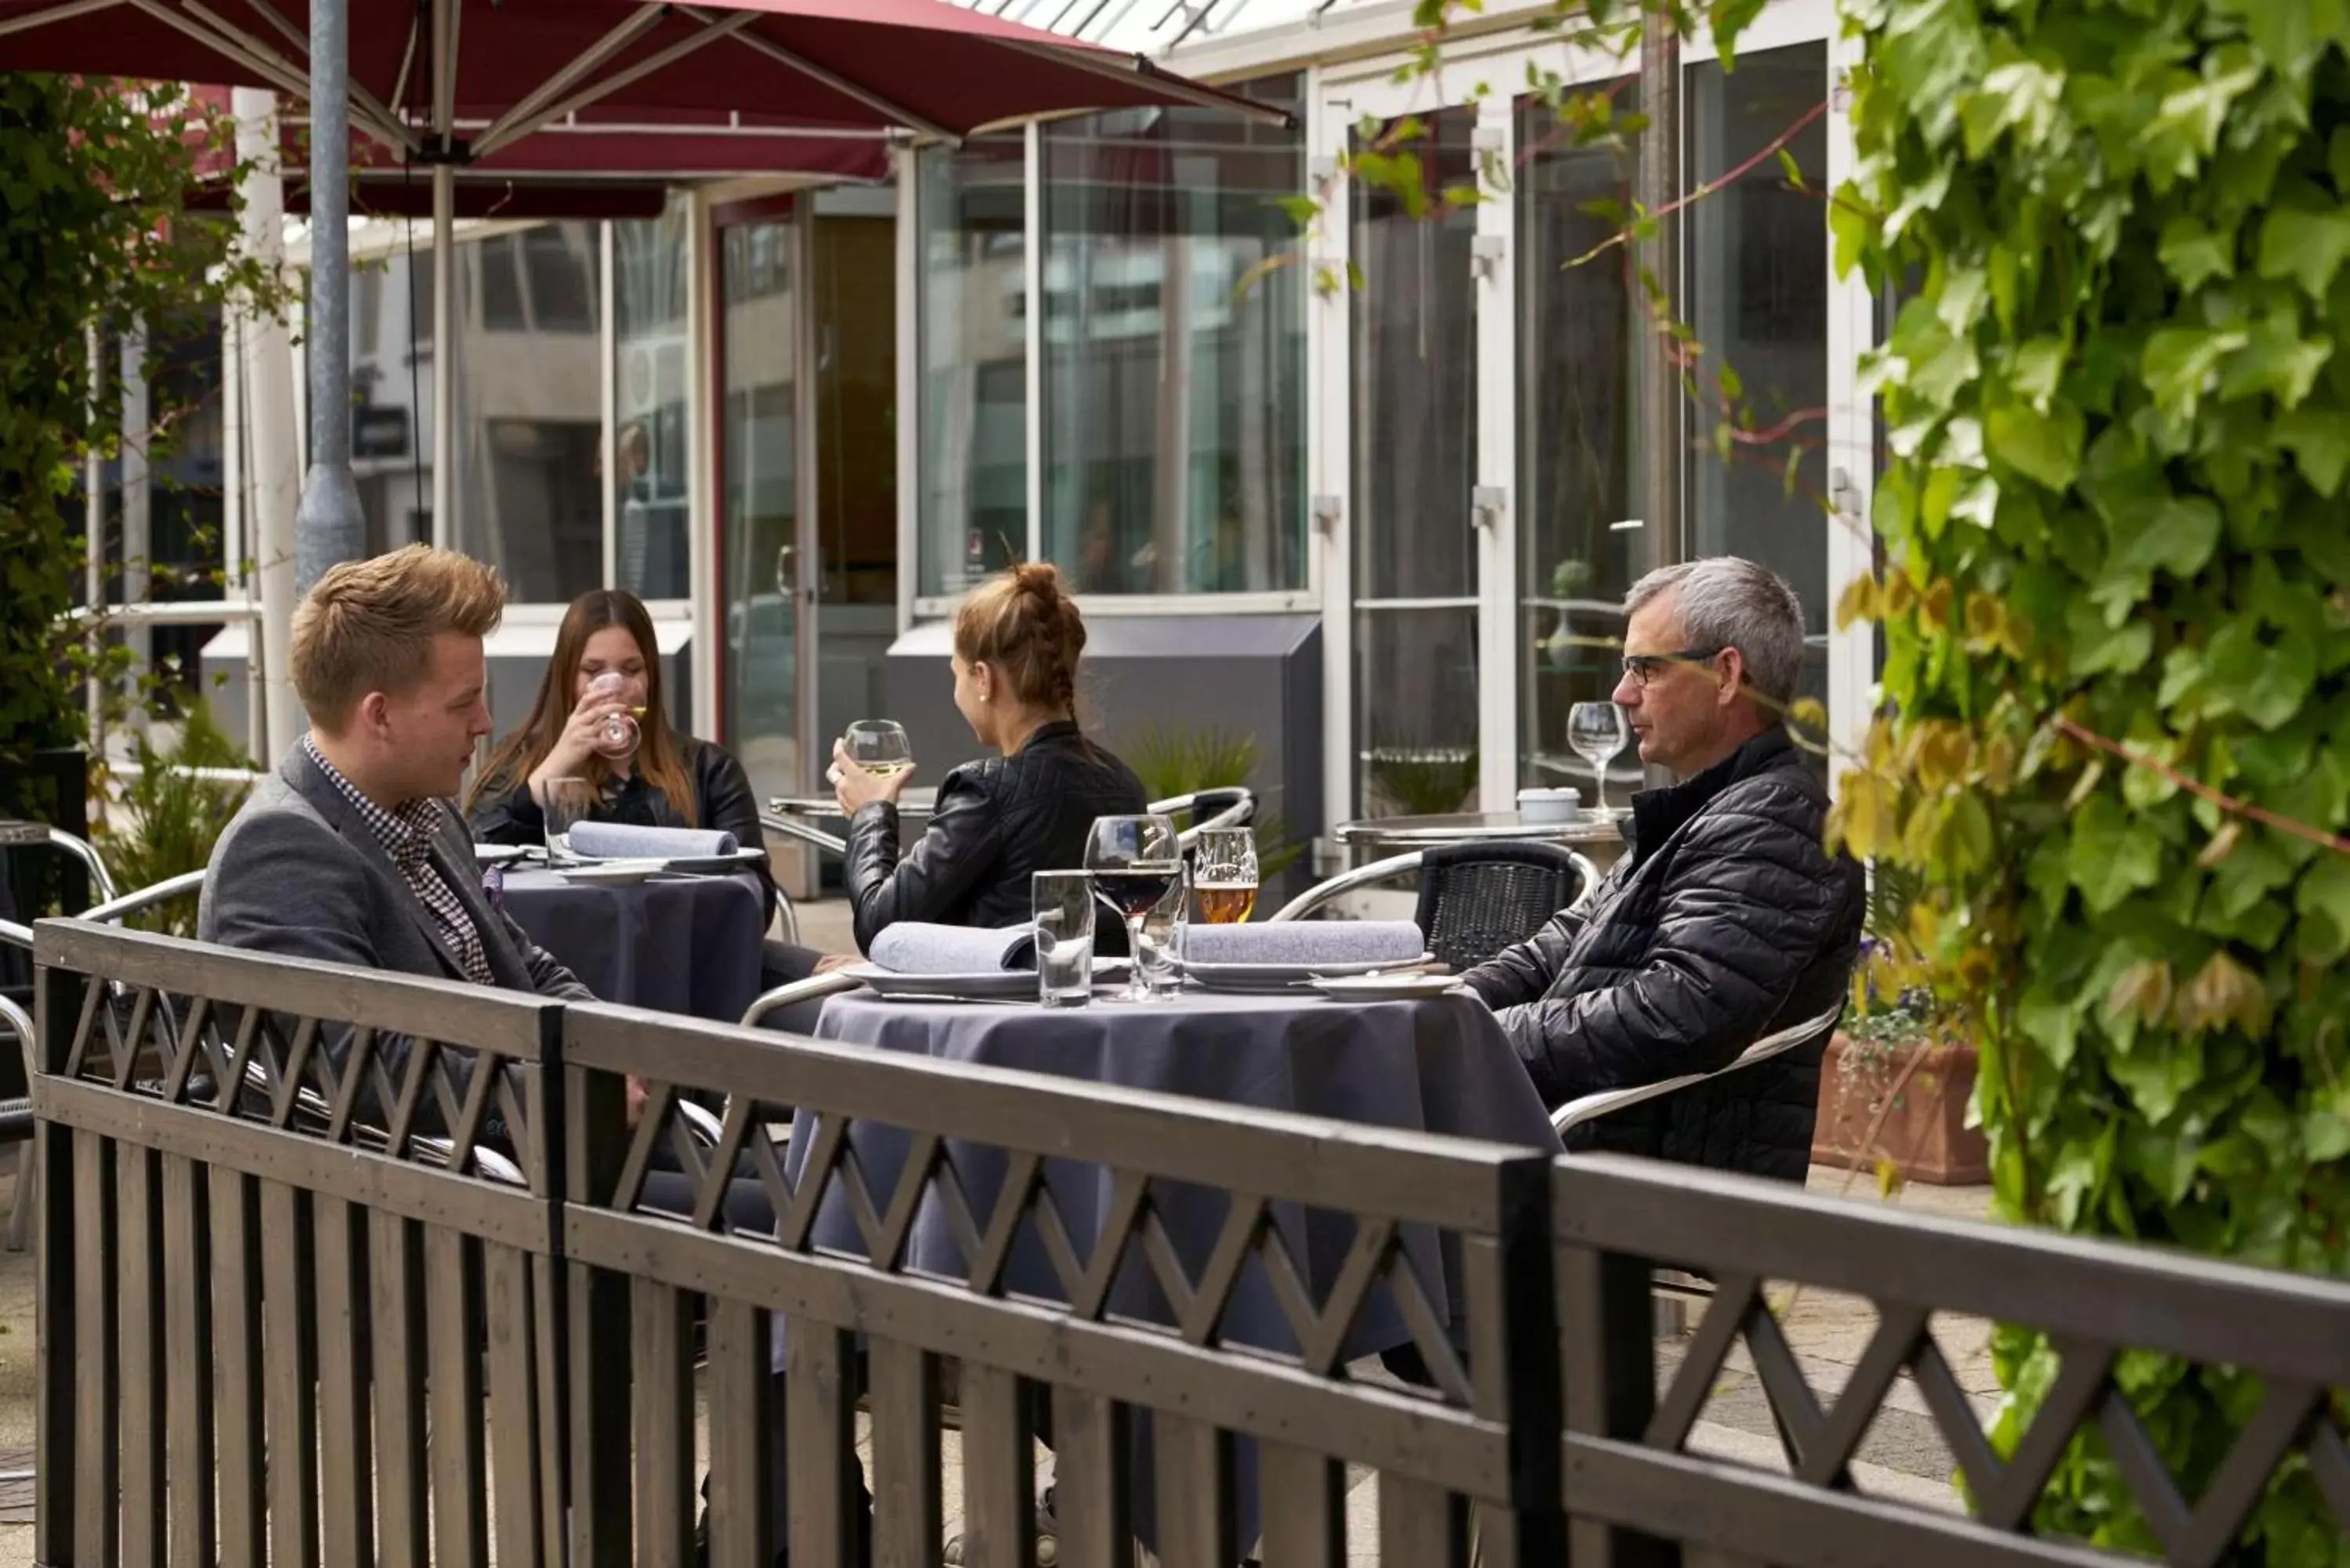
(1894, 1085)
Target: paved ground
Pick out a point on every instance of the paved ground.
(1903, 1455)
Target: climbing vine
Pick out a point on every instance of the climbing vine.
(2118, 417)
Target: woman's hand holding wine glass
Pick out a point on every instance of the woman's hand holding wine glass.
(873, 761)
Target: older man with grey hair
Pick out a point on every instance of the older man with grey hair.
(1727, 918)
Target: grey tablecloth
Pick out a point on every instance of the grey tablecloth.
(687, 945)
(1440, 1065)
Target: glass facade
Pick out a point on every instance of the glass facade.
(1414, 408)
(652, 357)
(1174, 401)
(529, 413)
(1579, 446)
(1755, 269)
(970, 263)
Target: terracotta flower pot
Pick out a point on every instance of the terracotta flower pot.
(1919, 1126)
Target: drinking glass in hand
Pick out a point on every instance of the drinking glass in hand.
(618, 735)
(570, 801)
(1134, 859)
(879, 746)
(1223, 875)
(1596, 731)
(1063, 906)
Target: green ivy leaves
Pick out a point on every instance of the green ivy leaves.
(2120, 233)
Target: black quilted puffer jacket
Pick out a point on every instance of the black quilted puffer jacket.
(1725, 920)
(996, 821)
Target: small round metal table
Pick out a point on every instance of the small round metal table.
(797, 816)
(1598, 837)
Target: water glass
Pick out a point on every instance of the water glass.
(570, 801)
(879, 746)
(1159, 955)
(618, 735)
(1063, 907)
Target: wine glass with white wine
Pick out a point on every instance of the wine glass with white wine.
(879, 746)
(1596, 731)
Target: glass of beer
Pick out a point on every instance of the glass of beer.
(1223, 875)
(879, 746)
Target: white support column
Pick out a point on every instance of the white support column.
(274, 430)
(1495, 507)
(910, 408)
(444, 356)
(1032, 251)
(93, 484)
(701, 487)
(138, 510)
(1852, 460)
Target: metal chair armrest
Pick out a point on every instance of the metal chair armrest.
(17, 936)
(792, 828)
(806, 989)
(102, 880)
(145, 897)
(1590, 1107)
(700, 1123)
(17, 1019)
(1589, 871)
(1321, 893)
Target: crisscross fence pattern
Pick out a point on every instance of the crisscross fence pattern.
(1633, 1486)
(291, 1213)
(1181, 1293)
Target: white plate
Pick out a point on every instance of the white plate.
(1388, 987)
(1264, 977)
(985, 985)
(613, 873)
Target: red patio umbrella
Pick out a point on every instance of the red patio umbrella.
(767, 84)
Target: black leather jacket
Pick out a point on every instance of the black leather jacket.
(1727, 920)
(997, 820)
(723, 803)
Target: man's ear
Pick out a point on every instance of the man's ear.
(1733, 678)
(372, 716)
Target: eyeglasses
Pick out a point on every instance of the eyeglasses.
(1643, 667)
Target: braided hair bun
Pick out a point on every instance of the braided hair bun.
(1022, 625)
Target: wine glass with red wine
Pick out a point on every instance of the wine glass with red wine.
(1134, 859)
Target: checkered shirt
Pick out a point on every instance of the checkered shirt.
(407, 837)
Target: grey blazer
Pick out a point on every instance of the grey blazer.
(299, 872)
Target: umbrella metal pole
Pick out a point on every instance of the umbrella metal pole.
(330, 527)
(444, 356)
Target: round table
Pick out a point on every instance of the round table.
(678, 943)
(1600, 837)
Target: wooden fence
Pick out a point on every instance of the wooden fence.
(426, 1207)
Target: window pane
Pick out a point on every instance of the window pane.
(651, 359)
(1174, 385)
(528, 416)
(1578, 431)
(392, 377)
(1414, 325)
(1758, 281)
(974, 499)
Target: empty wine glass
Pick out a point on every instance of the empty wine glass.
(1596, 731)
(879, 746)
(1134, 859)
(618, 735)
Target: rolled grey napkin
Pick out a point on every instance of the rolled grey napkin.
(625, 841)
(1306, 941)
(918, 947)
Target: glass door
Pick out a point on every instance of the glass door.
(769, 576)
(1425, 476)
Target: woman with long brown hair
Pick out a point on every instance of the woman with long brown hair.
(672, 780)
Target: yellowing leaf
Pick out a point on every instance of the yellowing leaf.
(1859, 602)
(2223, 991)
(2143, 990)
(1862, 821)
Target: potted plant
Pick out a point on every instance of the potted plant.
(1896, 1081)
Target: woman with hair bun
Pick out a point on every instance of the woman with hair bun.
(1029, 808)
